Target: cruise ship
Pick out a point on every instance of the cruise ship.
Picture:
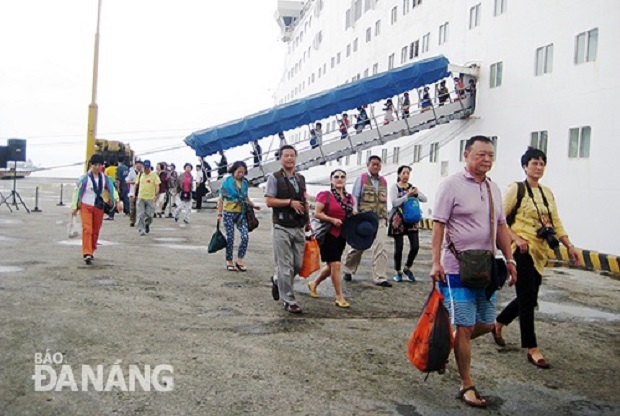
(542, 75)
(546, 79)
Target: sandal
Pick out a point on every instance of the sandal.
(312, 289)
(462, 397)
(231, 268)
(292, 308)
(342, 303)
(241, 267)
(499, 340)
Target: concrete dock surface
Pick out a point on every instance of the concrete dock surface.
(215, 342)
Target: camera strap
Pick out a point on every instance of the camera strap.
(544, 198)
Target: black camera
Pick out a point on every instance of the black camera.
(548, 234)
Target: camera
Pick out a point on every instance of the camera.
(548, 234)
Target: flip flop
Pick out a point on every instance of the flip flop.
(241, 267)
(312, 290)
(231, 268)
(462, 397)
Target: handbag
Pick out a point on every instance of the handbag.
(476, 266)
(250, 217)
(312, 258)
(321, 228)
(218, 241)
(73, 228)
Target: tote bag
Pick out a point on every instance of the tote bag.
(218, 241)
(312, 258)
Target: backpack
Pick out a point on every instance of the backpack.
(432, 340)
(510, 218)
(411, 210)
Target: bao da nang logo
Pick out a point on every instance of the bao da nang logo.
(51, 374)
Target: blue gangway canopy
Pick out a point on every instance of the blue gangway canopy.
(318, 106)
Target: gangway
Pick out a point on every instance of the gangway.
(331, 103)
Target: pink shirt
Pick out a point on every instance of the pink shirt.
(333, 209)
(463, 205)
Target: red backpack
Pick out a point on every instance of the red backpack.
(432, 339)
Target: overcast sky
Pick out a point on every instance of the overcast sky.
(166, 69)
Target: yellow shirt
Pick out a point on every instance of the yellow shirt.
(111, 172)
(233, 206)
(527, 222)
(148, 185)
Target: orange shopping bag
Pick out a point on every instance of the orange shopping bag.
(312, 258)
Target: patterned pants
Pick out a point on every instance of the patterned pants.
(230, 219)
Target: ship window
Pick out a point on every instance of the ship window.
(417, 153)
(432, 157)
(359, 158)
(368, 154)
(414, 49)
(358, 9)
(377, 27)
(333, 62)
(539, 140)
(395, 155)
(474, 16)
(462, 150)
(444, 168)
(544, 60)
(349, 49)
(338, 58)
(443, 33)
(384, 155)
(368, 35)
(391, 62)
(586, 44)
(494, 143)
(375, 69)
(355, 42)
(500, 7)
(403, 54)
(496, 74)
(366, 73)
(324, 69)
(579, 142)
(367, 5)
(347, 19)
(426, 39)
(405, 7)
(394, 14)
(416, 3)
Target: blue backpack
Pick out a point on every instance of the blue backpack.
(411, 211)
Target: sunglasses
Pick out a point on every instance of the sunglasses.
(339, 177)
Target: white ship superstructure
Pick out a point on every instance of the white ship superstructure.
(546, 79)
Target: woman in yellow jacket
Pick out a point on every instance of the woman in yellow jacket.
(535, 228)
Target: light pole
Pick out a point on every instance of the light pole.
(92, 108)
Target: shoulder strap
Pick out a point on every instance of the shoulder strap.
(510, 219)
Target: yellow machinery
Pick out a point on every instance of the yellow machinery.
(112, 149)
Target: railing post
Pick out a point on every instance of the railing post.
(61, 204)
(36, 200)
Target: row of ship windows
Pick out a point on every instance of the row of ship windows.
(586, 46)
(578, 148)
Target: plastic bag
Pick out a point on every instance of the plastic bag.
(74, 227)
(312, 258)
(218, 241)
(432, 340)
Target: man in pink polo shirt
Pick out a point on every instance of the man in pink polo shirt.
(462, 211)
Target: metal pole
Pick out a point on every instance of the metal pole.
(91, 133)
(61, 204)
(36, 200)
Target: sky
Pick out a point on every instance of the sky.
(166, 68)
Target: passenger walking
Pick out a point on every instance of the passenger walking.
(162, 190)
(426, 100)
(442, 93)
(222, 166)
(146, 187)
(171, 194)
(535, 227)
(132, 180)
(183, 191)
(345, 123)
(333, 207)
(389, 112)
(403, 192)
(201, 188)
(110, 171)
(468, 211)
(282, 144)
(406, 105)
(88, 199)
(370, 195)
(459, 87)
(316, 134)
(121, 181)
(257, 153)
(362, 119)
(231, 207)
(286, 195)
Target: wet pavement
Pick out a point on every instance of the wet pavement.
(162, 299)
